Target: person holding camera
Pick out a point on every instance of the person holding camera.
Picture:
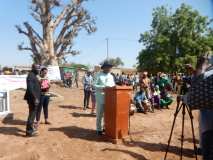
(206, 115)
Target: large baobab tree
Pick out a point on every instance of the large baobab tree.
(58, 30)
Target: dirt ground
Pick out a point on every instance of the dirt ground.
(72, 134)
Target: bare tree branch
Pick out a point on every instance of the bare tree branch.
(74, 23)
(33, 41)
(29, 27)
(36, 17)
(73, 18)
(33, 35)
(61, 16)
(63, 54)
(20, 47)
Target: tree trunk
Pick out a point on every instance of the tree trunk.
(52, 59)
(49, 45)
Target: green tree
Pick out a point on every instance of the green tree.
(116, 62)
(175, 39)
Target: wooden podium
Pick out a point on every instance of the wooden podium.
(116, 115)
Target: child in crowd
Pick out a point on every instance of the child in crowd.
(156, 96)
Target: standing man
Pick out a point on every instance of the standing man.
(136, 80)
(67, 79)
(104, 79)
(76, 78)
(32, 96)
(146, 84)
(87, 82)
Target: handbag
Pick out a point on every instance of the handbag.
(200, 95)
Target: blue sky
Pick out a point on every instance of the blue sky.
(121, 21)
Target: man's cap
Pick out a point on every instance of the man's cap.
(36, 66)
(106, 64)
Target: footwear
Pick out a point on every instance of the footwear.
(33, 134)
(47, 122)
(93, 112)
(99, 133)
(199, 151)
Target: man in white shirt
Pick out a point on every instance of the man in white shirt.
(103, 79)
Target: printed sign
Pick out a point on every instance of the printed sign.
(54, 73)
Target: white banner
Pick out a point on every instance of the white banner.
(12, 82)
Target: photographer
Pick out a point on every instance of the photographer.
(206, 115)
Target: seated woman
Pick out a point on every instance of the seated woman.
(166, 99)
(141, 101)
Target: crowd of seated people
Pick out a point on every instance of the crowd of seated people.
(154, 93)
(150, 91)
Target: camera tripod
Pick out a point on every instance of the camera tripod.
(184, 107)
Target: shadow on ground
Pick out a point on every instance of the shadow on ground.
(77, 115)
(190, 140)
(14, 131)
(79, 133)
(156, 147)
(134, 155)
(9, 120)
(69, 107)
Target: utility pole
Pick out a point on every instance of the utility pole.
(107, 40)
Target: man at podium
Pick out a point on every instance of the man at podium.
(103, 79)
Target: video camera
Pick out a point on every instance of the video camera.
(185, 85)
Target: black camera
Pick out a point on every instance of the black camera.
(186, 84)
